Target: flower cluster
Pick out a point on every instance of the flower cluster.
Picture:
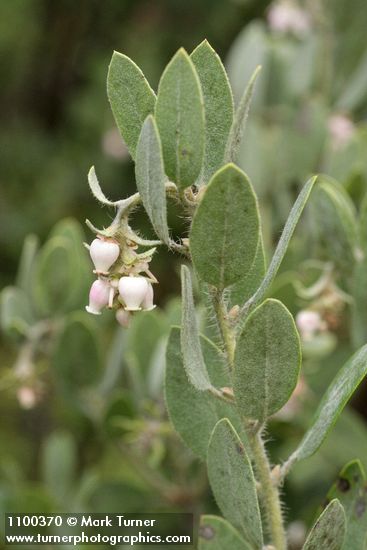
(124, 281)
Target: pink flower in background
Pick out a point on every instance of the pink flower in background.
(286, 16)
(341, 129)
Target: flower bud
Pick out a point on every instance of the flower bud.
(308, 323)
(148, 304)
(98, 297)
(133, 291)
(103, 254)
(123, 317)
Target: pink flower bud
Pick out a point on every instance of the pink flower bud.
(123, 317)
(148, 304)
(98, 297)
(103, 254)
(308, 323)
(132, 291)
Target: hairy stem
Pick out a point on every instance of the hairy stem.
(269, 492)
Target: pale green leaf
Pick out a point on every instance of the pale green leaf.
(59, 463)
(194, 413)
(267, 361)
(215, 533)
(225, 230)
(218, 103)
(15, 311)
(180, 119)
(131, 98)
(335, 222)
(96, 188)
(350, 490)
(27, 262)
(342, 388)
(282, 246)
(190, 342)
(77, 356)
(329, 530)
(233, 483)
(150, 177)
(238, 125)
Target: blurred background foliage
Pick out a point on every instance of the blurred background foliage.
(84, 423)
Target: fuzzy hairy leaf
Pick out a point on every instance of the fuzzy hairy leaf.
(218, 103)
(329, 530)
(341, 389)
(96, 188)
(351, 490)
(282, 246)
(180, 119)
(190, 342)
(225, 230)
(215, 533)
(267, 361)
(245, 288)
(233, 483)
(238, 126)
(194, 413)
(131, 98)
(150, 177)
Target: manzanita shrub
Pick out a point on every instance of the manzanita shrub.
(220, 392)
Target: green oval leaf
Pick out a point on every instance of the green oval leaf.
(342, 388)
(267, 361)
(194, 413)
(215, 533)
(351, 490)
(218, 104)
(329, 530)
(150, 177)
(246, 287)
(54, 282)
(131, 98)
(225, 230)
(233, 483)
(180, 119)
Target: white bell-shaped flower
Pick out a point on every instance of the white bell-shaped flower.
(103, 254)
(98, 297)
(148, 304)
(132, 291)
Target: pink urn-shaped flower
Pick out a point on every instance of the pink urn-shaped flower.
(103, 254)
(133, 291)
(98, 297)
